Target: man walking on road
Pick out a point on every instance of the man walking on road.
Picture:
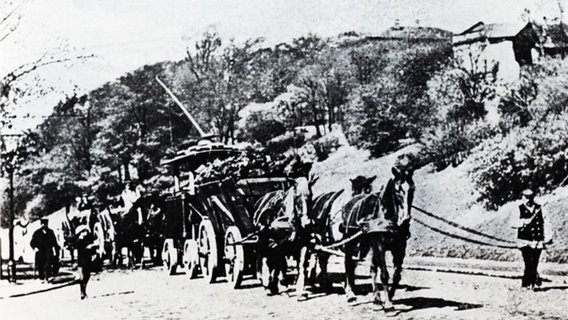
(85, 244)
(531, 237)
(46, 248)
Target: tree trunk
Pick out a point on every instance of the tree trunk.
(126, 164)
(316, 120)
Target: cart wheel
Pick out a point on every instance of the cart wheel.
(169, 256)
(234, 253)
(191, 258)
(208, 251)
(262, 272)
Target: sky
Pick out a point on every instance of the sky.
(125, 35)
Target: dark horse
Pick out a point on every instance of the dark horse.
(154, 225)
(129, 232)
(281, 217)
(383, 218)
(138, 227)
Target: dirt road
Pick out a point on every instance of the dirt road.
(151, 294)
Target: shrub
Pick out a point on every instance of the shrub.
(449, 144)
(530, 156)
(533, 158)
(325, 145)
(261, 127)
(283, 143)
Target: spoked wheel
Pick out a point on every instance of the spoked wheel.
(169, 256)
(207, 251)
(191, 258)
(235, 256)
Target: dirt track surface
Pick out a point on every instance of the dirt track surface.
(151, 294)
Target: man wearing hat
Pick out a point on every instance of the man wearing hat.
(45, 246)
(531, 236)
(85, 244)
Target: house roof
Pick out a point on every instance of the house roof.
(493, 32)
(502, 30)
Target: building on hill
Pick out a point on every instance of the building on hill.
(511, 45)
(398, 32)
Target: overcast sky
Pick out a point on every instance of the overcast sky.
(125, 35)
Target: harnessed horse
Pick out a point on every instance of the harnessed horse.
(127, 224)
(388, 230)
(282, 217)
(384, 219)
(137, 227)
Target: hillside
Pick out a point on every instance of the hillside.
(449, 194)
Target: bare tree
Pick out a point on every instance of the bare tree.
(14, 84)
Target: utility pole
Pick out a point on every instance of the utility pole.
(12, 262)
(9, 166)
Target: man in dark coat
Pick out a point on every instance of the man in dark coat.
(531, 237)
(45, 246)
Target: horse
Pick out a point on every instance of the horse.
(136, 228)
(384, 217)
(388, 230)
(327, 220)
(127, 223)
(154, 224)
(281, 218)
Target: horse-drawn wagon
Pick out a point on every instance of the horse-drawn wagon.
(209, 224)
(209, 227)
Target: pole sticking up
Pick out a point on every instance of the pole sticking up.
(183, 108)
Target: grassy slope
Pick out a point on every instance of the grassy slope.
(449, 194)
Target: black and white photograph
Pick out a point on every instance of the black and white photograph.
(284, 159)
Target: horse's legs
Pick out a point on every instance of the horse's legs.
(350, 266)
(130, 255)
(376, 295)
(302, 273)
(324, 281)
(273, 281)
(274, 263)
(379, 262)
(398, 254)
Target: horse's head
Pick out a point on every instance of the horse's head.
(398, 193)
(361, 185)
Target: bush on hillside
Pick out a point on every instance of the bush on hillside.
(533, 158)
(514, 105)
(372, 121)
(325, 146)
(449, 144)
(279, 145)
(261, 127)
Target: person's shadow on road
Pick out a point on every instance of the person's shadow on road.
(418, 303)
(542, 289)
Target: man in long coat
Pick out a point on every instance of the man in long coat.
(45, 246)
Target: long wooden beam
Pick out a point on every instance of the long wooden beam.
(182, 107)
